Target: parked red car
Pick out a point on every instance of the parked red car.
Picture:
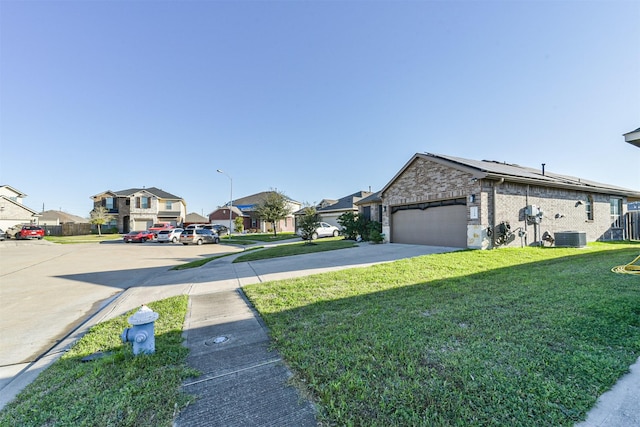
(138, 236)
(30, 232)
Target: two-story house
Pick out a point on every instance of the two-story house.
(140, 208)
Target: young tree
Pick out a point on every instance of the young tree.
(238, 224)
(273, 208)
(308, 223)
(99, 216)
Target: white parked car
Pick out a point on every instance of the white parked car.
(325, 230)
(172, 235)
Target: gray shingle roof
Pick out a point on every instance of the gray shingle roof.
(346, 202)
(495, 169)
(153, 190)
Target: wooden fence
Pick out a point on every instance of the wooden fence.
(68, 229)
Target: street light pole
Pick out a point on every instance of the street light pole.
(230, 197)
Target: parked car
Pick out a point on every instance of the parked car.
(138, 236)
(192, 226)
(198, 236)
(2, 236)
(25, 232)
(172, 235)
(221, 230)
(324, 230)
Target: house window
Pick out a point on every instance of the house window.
(168, 205)
(616, 212)
(588, 207)
(366, 213)
(143, 202)
(109, 203)
(127, 202)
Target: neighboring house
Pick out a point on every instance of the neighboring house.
(52, 217)
(140, 208)
(221, 216)
(371, 207)
(252, 222)
(12, 211)
(194, 218)
(449, 201)
(58, 223)
(633, 137)
(330, 210)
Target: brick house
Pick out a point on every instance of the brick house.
(140, 208)
(245, 208)
(449, 201)
(329, 210)
(221, 216)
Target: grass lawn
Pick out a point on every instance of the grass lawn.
(117, 390)
(251, 238)
(518, 337)
(259, 252)
(299, 248)
(88, 238)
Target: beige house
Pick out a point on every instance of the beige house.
(12, 211)
(449, 201)
(140, 208)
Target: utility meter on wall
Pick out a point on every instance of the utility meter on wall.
(534, 214)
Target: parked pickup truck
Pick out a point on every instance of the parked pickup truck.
(159, 227)
(25, 232)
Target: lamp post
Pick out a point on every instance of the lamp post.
(230, 197)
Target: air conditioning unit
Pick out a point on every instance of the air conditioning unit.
(570, 239)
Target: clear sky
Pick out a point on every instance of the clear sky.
(317, 99)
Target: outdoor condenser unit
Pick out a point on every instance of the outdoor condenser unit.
(571, 239)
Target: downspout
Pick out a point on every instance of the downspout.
(526, 235)
(493, 213)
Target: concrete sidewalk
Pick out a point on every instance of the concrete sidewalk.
(243, 382)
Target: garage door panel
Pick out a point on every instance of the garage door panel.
(437, 226)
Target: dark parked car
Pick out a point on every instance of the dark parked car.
(138, 236)
(198, 236)
(221, 230)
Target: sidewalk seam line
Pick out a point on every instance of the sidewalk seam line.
(259, 365)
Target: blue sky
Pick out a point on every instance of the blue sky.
(317, 99)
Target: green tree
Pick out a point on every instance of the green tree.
(273, 208)
(354, 225)
(238, 224)
(99, 216)
(308, 222)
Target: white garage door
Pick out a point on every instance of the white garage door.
(435, 226)
(141, 225)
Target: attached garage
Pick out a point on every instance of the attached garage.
(440, 223)
(141, 224)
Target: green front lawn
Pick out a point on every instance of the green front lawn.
(119, 389)
(512, 337)
(88, 238)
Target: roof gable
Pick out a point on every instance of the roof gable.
(248, 202)
(62, 217)
(20, 205)
(345, 203)
(9, 189)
